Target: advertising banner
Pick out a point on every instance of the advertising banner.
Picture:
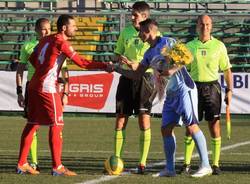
(94, 92)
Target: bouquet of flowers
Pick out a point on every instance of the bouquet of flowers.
(178, 55)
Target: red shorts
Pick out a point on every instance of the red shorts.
(45, 108)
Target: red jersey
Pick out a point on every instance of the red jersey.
(48, 57)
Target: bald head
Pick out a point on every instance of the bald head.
(204, 27)
(204, 18)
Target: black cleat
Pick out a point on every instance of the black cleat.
(186, 169)
(216, 170)
(140, 169)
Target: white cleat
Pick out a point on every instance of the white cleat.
(202, 171)
(165, 173)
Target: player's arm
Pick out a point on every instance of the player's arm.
(170, 71)
(68, 50)
(83, 63)
(124, 60)
(137, 74)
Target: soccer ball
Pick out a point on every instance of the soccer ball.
(114, 165)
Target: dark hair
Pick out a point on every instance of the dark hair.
(141, 6)
(39, 22)
(62, 21)
(148, 22)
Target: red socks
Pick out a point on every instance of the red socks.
(26, 140)
(55, 142)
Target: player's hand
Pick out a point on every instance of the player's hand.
(130, 64)
(20, 100)
(110, 67)
(64, 100)
(124, 60)
(228, 97)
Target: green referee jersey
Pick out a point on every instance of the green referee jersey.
(26, 51)
(209, 58)
(130, 45)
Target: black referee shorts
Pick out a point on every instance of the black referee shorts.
(209, 100)
(135, 96)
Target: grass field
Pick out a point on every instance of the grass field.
(88, 141)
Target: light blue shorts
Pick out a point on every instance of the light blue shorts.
(181, 107)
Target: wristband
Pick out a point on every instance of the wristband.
(228, 89)
(19, 90)
(65, 93)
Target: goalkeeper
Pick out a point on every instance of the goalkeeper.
(181, 99)
(42, 29)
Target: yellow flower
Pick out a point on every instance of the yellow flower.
(179, 54)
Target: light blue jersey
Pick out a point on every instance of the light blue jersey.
(181, 100)
(155, 52)
(181, 93)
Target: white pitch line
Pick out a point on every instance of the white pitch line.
(210, 152)
(108, 178)
(101, 179)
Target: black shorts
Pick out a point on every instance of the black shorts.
(135, 96)
(209, 100)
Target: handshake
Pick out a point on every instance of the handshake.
(111, 67)
(122, 60)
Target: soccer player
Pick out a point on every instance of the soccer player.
(181, 100)
(44, 103)
(42, 28)
(133, 96)
(210, 57)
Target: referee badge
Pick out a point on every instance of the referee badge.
(203, 52)
(126, 42)
(136, 42)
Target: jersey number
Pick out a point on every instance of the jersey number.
(41, 57)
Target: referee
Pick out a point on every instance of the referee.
(210, 57)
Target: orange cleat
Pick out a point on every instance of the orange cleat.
(63, 171)
(26, 169)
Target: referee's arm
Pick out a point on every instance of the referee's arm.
(19, 83)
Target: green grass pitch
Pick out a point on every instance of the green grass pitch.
(88, 141)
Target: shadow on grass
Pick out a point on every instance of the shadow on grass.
(94, 165)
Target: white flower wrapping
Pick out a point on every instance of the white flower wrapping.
(159, 64)
(178, 55)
